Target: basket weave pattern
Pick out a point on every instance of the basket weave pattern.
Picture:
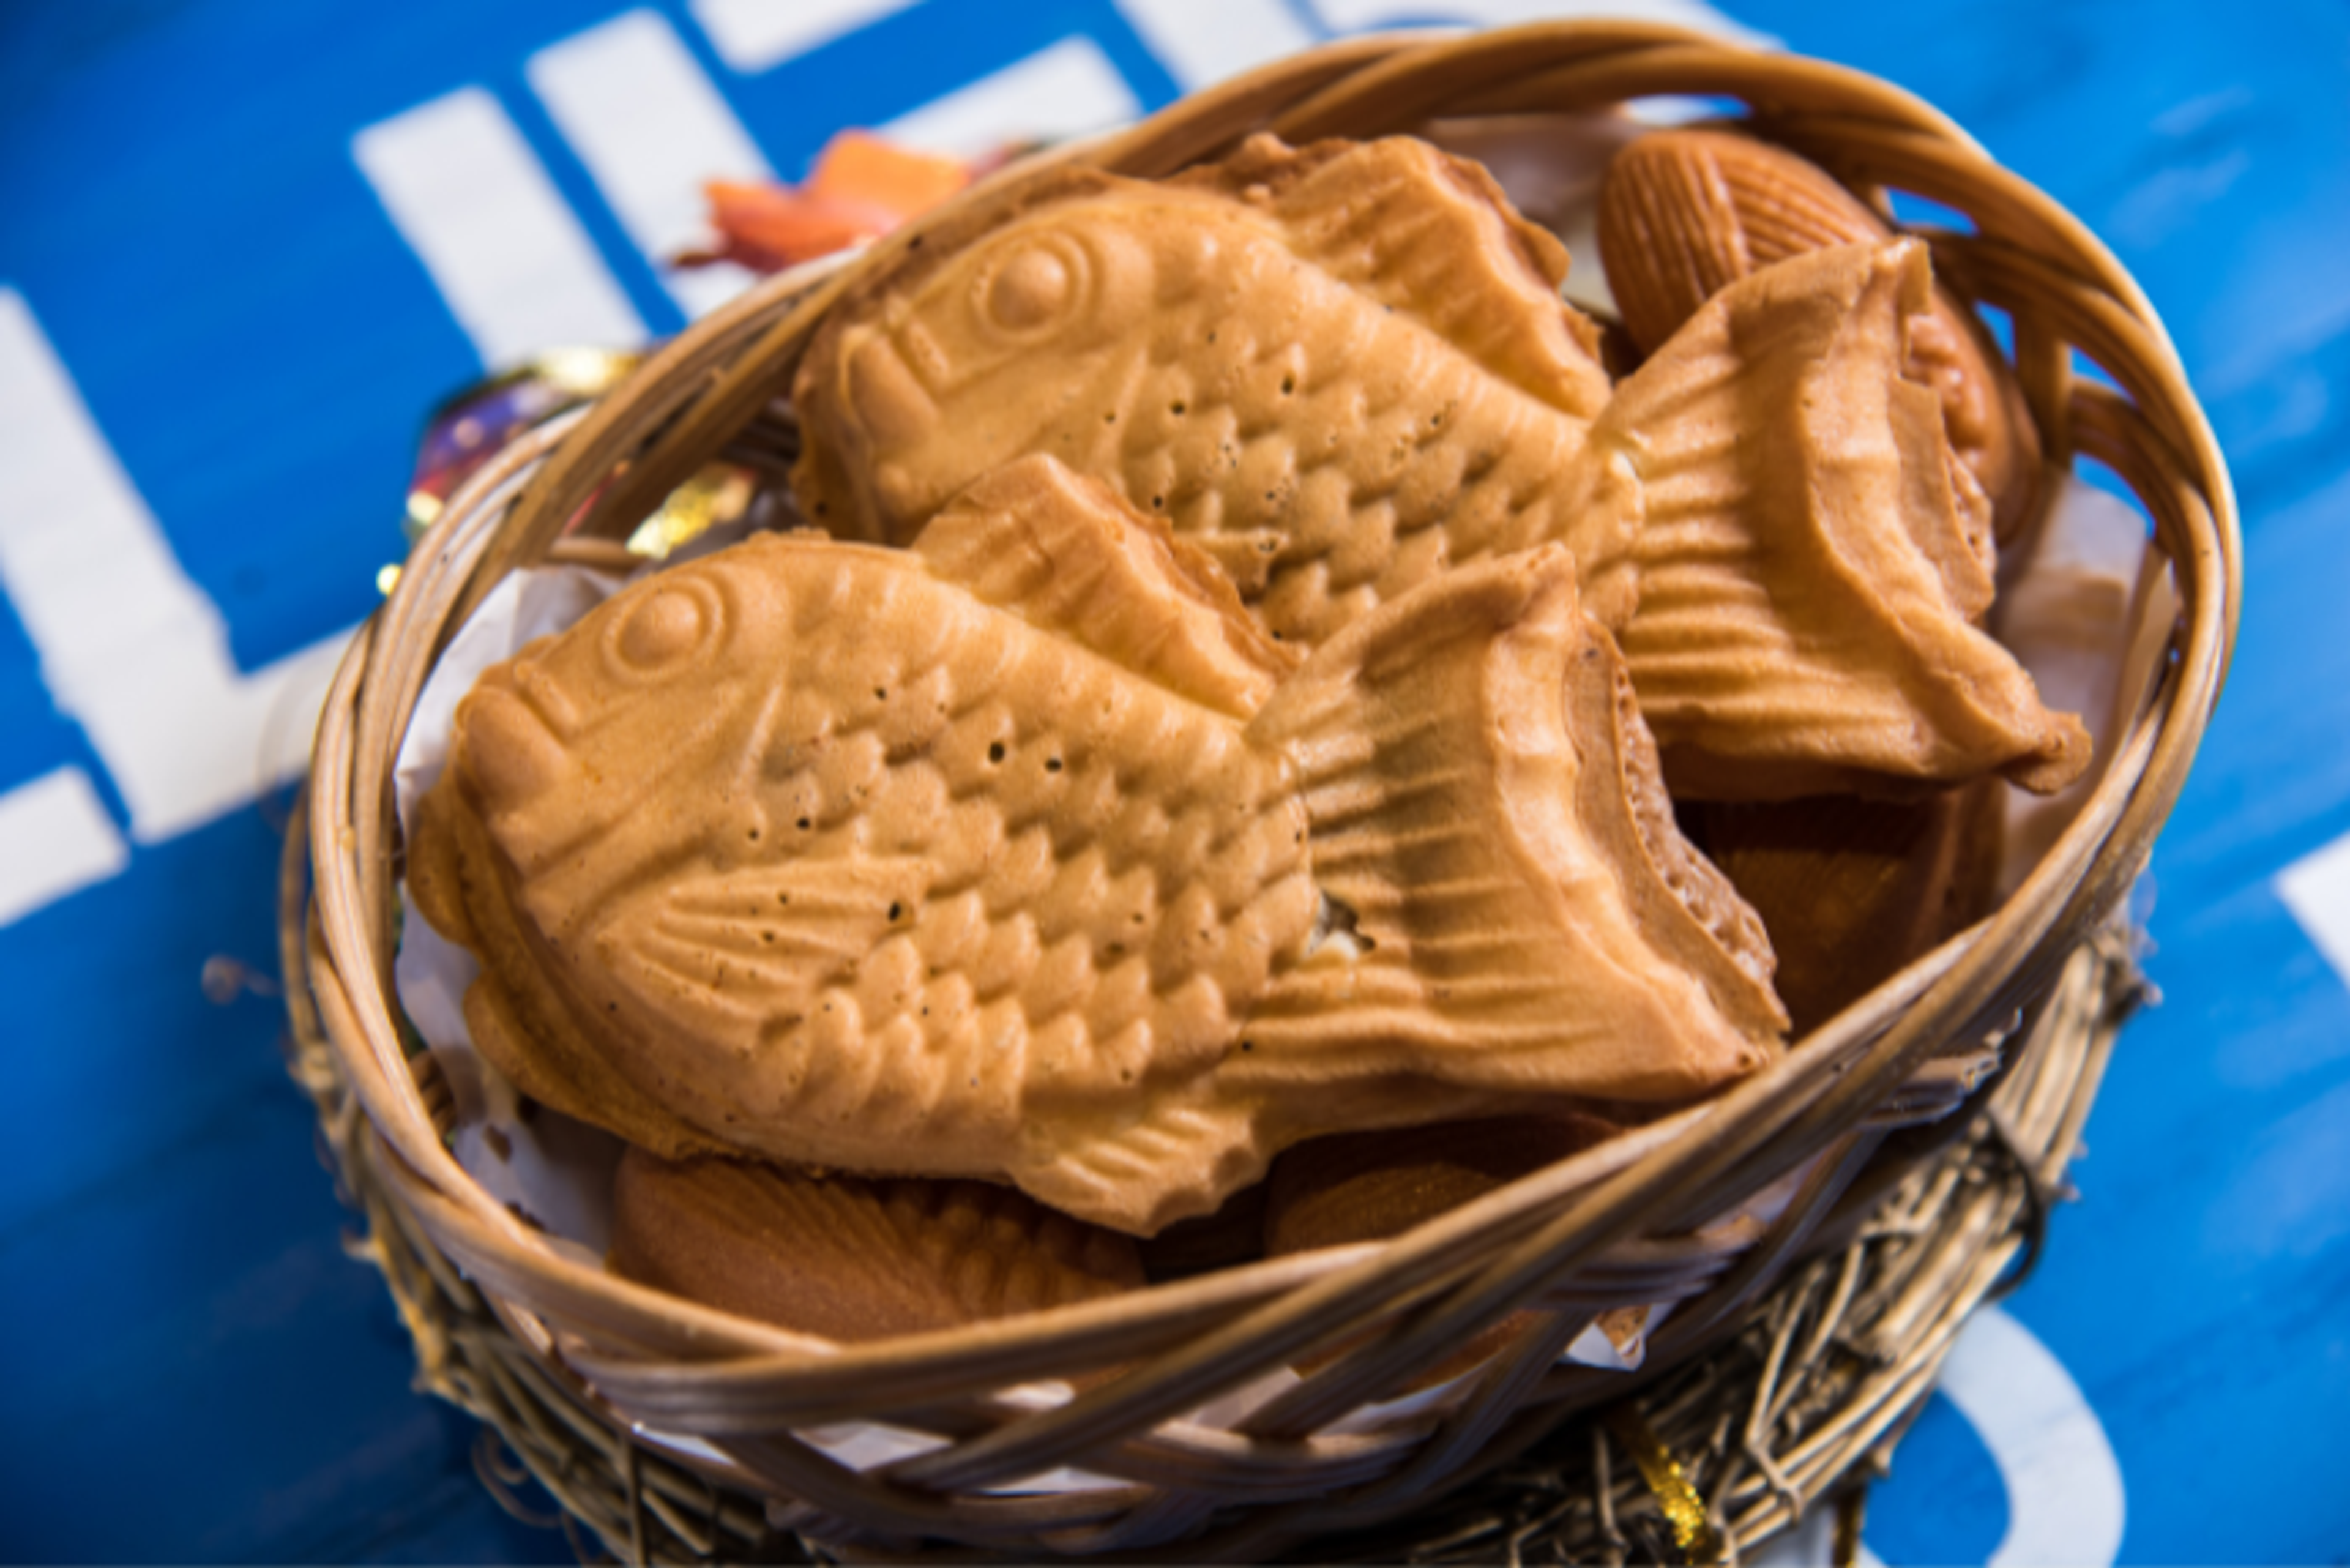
(1820, 1377)
(1844, 1304)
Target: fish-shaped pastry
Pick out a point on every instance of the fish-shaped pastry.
(1021, 855)
(1684, 212)
(1338, 369)
(1343, 370)
(1808, 588)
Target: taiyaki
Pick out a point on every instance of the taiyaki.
(1337, 369)
(850, 1259)
(1344, 370)
(1021, 855)
(1685, 213)
(1808, 596)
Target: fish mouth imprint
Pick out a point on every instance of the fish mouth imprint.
(888, 395)
(514, 754)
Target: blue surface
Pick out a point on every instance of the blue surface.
(196, 1371)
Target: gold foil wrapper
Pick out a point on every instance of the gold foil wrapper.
(1684, 1510)
(720, 493)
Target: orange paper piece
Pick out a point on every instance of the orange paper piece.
(862, 186)
(858, 166)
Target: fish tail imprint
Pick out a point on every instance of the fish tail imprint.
(1810, 571)
(1508, 904)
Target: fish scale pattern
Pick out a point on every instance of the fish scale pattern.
(1353, 374)
(1000, 1253)
(986, 875)
(1106, 871)
(1331, 454)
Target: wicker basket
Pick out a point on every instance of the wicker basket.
(1796, 1346)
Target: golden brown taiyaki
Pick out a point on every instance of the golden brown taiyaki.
(849, 1259)
(1685, 213)
(1337, 369)
(1016, 856)
(1344, 370)
(1808, 592)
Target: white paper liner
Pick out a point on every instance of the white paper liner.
(552, 1170)
(2087, 618)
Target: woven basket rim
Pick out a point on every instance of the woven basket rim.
(657, 1504)
(653, 1355)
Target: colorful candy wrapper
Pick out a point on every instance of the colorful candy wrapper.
(471, 425)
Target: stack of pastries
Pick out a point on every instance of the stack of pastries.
(1252, 680)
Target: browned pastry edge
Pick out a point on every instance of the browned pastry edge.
(1698, 888)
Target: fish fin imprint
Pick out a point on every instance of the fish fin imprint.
(1181, 1157)
(1067, 553)
(1488, 826)
(1806, 586)
(1433, 237)
(734, 959)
